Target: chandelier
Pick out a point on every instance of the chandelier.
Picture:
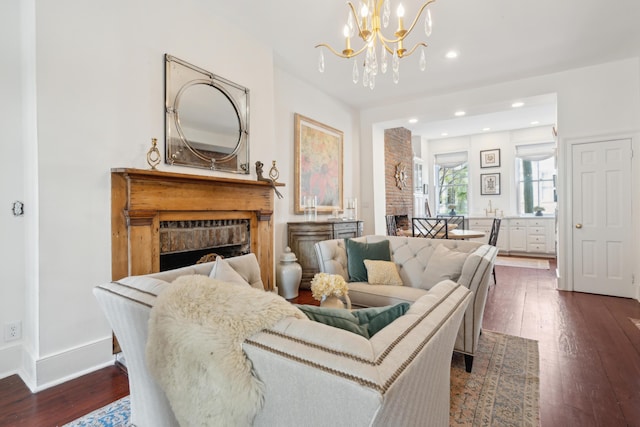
(373, 16)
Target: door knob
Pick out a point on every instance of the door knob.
(578, 225)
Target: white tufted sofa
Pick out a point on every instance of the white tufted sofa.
(313, 374)
(411, 255)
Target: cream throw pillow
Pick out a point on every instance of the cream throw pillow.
(382, 273)
(443, 264)
(225, 273)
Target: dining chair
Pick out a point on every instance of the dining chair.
(431, 228)
(493, 241)
(392, 226)
(458, 220)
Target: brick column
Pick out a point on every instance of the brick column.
(398, 149)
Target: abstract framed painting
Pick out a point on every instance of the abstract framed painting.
(318, 165)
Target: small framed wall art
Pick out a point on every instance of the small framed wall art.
(489, 184)
(490, 158)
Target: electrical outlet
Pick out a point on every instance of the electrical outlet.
(13, 331)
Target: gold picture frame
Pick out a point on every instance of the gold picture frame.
(318, 164)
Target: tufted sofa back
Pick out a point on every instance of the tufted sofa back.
(411, 254)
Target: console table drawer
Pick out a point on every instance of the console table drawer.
(346, 230)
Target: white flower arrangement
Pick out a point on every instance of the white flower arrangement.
(325, 285)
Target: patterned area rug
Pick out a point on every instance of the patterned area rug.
(540, 264)
(115, 414)
(504, 387)
(502, 390)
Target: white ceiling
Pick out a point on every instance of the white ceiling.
(497, 40)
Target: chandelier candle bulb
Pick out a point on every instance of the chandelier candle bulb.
(400, 20)
(364, 33)
(347, 51)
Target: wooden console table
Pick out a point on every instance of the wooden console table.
(303, 235)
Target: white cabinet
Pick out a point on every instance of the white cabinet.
(517, 235)
(484, 225)
(540, 235)
(532, 236)
(526, 235)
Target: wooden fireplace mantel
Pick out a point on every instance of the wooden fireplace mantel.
(141, 199)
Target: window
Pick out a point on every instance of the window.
(536, 171)
(452, 183)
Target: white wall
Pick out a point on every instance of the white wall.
(12, 229)
(295, 96)
(99, 87)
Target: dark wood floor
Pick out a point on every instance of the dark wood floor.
(59, 405)
(589, 349)
(589, 358)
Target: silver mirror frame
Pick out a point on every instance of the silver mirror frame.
(179, 150)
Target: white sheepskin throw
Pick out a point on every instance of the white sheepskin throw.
(194, 350)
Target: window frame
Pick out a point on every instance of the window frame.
(538, 187)
(461, 209)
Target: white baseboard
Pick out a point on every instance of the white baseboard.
(55, 369)
(59, 368)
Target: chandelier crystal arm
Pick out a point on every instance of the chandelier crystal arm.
(385, 43)
(413, 49)
(340, 54)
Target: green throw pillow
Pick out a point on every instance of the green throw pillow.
(336, 317)
(357, 252)
(376, 318)
(365, 321)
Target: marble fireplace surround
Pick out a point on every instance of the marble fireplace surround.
(142, 199)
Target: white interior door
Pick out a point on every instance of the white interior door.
(602, 218)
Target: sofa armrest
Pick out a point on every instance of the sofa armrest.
(476, 273)
(478, 265)
(126, 305)
(307, 367)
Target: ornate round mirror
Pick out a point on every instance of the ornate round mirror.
(207, 119)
